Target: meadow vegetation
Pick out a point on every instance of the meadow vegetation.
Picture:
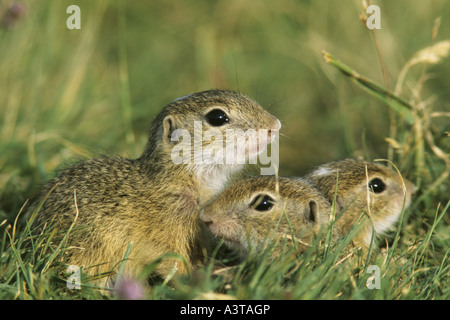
(68, 95)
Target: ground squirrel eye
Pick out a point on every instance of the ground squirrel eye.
(376, 185)
(217, 117)
(262, 203)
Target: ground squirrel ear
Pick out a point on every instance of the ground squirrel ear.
(312, 212)
(340, 203)
(168, 129)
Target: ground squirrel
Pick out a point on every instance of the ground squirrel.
(151, 201)
(246, 211)
(363, 187)
(256, 210)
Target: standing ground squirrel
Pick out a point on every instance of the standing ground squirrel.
(363, 188)
(151, 201)
(256, 210)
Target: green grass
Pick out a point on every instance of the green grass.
(71, 94)
(32, 268)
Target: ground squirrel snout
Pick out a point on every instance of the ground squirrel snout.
(256, 210)
(244, 213)
(152, 202)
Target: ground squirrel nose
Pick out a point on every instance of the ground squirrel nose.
(410, 188)
(277, 125)
(203, 218)
(273, 131)
(208, 223)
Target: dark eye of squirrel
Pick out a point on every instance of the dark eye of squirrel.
(217, 117)
(262, 203)
(376, 185)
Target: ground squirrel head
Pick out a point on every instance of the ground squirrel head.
(254, 210)
(208, 132)
(215, 110)
(364, 187)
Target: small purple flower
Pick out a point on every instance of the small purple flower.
(129, 289)
(14, 13)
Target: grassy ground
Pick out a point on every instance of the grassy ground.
(70, 94)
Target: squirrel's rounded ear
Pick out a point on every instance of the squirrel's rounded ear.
(312, 212)
(168, 129)
(340, 203)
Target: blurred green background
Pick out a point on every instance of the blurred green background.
(69, 94)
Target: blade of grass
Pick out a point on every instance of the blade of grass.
(19, 262)
(397, 103)
(124, 77)
(63, 242)
(124, 261)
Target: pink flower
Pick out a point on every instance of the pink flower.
(129, 289)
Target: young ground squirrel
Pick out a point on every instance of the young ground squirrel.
(247, 211)
(152, 201)
(256, 210)
(360, 187)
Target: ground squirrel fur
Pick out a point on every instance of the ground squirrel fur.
(149, 201)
